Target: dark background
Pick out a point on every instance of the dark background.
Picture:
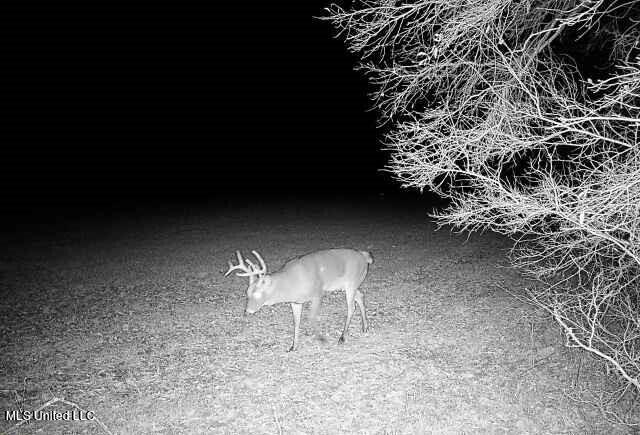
(109, 104)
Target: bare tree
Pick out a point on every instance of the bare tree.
(488, 106)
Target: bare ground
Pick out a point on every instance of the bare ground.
(129, 317)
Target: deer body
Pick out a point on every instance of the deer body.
(305, 279)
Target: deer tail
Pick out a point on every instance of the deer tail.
(367, 256)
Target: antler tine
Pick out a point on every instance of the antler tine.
(249, 270)
(240, 266)
(262, 264)
(252, 266)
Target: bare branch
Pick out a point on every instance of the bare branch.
(487, 111)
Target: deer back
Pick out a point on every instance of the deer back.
(322, 271)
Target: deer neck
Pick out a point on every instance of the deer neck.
(281, 289)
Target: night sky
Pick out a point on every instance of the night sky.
(186, 101)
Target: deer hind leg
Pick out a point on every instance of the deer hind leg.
(296, 309)
(359, 298)
(350, 293)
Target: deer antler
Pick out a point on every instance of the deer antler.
(250, 270)
(264, 266)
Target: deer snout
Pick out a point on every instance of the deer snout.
(252, 306)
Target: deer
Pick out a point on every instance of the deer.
(306, 279)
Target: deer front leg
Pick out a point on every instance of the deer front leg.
(296, 309)
(314, 316)
(350, 296)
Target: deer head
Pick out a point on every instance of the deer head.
(260, 284)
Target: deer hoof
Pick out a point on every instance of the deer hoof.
(292, 349)
(341, 339)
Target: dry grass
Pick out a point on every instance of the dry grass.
(137, 324)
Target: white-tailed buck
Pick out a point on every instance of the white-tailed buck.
(305, 279)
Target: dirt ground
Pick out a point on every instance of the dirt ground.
(128, 316)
